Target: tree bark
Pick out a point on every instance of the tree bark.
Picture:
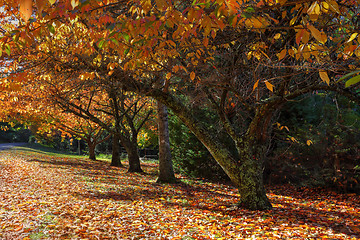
(166, 171)
(251, 189)
(133, 157)
(115, 158)
(91, 146)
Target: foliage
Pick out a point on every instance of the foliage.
(190, 156)
(13, 133)
(244, 59)
(319, 140)
(61, 197)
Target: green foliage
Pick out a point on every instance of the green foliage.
(13, 133)
(190, 157)
(332, 124)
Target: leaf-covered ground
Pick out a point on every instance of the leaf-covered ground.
(44, 197)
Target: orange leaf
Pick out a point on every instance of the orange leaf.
(320, 36)
(40, 5)
(299, 36)
(192, 75)
(269, 86)
(324, 76)
(206, 42)
(25, 9)
(256, 85)
(282, 54)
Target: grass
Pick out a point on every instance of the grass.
(55, 195)
(32, 149)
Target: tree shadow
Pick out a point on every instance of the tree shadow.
(293, 210)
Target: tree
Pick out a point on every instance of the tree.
(166, 172)
(243, 59)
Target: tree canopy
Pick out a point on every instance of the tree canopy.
(242, 59)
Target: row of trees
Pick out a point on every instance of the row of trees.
(224, 67)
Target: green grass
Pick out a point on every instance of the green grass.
(38, 148)
(32, 149)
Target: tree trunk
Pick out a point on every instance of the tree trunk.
(91, 146)
(166, 171)
(251, 189)
(115, 158)
(133, 157)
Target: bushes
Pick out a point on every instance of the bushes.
(190, 157)
(13, 133)
(325, 147)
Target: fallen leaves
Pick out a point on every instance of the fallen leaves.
(44, 197)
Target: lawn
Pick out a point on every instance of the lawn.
(54, 196)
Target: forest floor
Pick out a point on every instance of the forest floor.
(52, 197)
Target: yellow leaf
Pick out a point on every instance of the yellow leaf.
(325, 7)
(74, 3)
(277, 36)
(282, 54)
(324, 76)
(292, 21)
(352, 37)
(306, 52)
(314, 9)
(333, 6)
(320, 36)
(269, 86)
(309, 142)
(52, 1)
(25, 9)
(192, 75)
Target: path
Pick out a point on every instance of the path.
(4, 146)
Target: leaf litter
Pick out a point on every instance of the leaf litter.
(46, 197)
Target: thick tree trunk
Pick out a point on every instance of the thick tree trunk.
(91, 146)
(251, 189)
(166, 171)
(115, 158)
(133, 157)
